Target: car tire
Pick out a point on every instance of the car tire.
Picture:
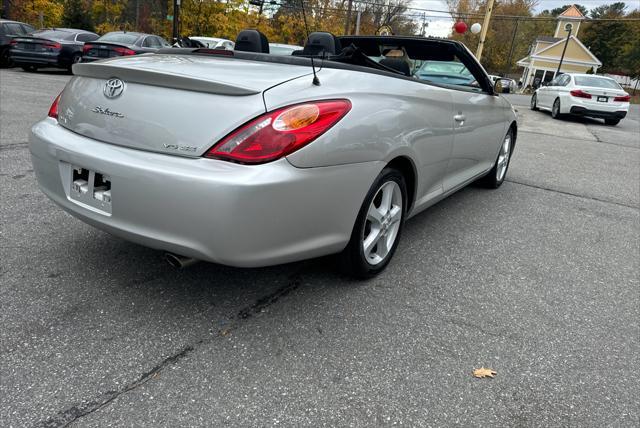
(555, 110)
(612, 122)
(498, 173)
(380, 221)
(5, 59)
(75, 59)
(534, 102)
(29, 68)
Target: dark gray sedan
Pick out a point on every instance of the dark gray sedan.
(59, 47)
(122, 43)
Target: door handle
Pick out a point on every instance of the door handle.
(459, 118)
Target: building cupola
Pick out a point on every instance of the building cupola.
(571, 16)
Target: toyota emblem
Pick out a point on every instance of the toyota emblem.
(113, 88)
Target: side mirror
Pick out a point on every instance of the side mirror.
(502, 86)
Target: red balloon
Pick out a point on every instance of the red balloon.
(460, 27)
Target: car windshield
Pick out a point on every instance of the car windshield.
(127, 38)
(446, 72)
(54, 34)
(596, 82)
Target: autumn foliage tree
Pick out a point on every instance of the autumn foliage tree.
(76, 15)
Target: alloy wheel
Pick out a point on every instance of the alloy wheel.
(382, 223)
(503, 157)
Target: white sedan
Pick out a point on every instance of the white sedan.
(214, 42)
(583, 95)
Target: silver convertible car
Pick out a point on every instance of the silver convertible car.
(249, 159)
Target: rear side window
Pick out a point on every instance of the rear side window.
(28, 28)
(596, 82)
(149, 42)
(86, 37)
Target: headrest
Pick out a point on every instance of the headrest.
(321, 43)
(397, 64)
(252, 41)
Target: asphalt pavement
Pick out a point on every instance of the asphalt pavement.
(538, 280)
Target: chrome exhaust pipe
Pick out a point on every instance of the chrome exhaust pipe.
(179, 262)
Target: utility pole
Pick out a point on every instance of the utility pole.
(485, 27)
(567, 27)
(358, 22)
(6, 9)
(347, 22)
(176, 17)
(513, 40)
(137, 14)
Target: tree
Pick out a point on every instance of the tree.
(31, 11)
(76, 15)
(630, 60)
(606, 39)
(558, 10)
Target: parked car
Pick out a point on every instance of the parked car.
(9, 30)
(282, 160)
(214, 42)
(583, 95)
(283, 49)
(59, 47)
(122, 43)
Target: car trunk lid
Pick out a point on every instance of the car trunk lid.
(597, 91)
(101, 50)
(35, 44)
(175, 104)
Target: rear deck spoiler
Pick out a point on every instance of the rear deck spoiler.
(105, 70)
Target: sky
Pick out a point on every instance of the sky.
(439, 24)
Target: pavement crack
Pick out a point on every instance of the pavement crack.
(597, 139)
(635, 207)
(269, 300)
(13, 146)
(72, 414)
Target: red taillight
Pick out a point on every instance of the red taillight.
(624, 98)
(580, 94)
(86, 48)
(53, 110)
(280, 132)
(124, 51)
(52, 45)
(13, 42)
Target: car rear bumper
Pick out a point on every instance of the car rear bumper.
(233, 214)
(26, 58)
(582, 111)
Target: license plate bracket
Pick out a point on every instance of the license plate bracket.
(90, 189)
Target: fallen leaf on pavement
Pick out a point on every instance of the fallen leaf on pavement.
(483, 372)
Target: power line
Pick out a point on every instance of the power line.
(453, 15)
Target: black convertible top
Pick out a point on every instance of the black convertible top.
(356, 53)
(419, 48)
